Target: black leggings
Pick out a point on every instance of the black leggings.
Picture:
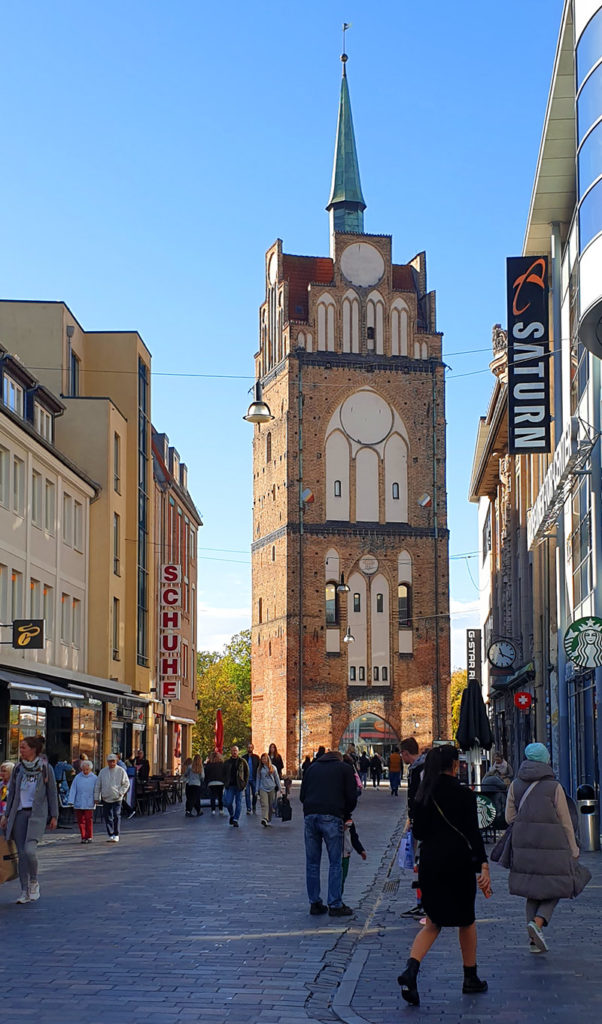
(215, 795)
(193, 799)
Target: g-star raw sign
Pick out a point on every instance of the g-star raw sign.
(528, 355)
(170, 601)
(473, 655)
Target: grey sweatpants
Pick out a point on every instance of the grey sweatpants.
(27, 850)
(540, 908)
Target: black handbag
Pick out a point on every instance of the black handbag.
(476, 861)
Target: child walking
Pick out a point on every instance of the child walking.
(351, 840)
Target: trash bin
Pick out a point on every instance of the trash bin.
(589, 819)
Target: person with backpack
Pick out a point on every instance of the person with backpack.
(544, 849)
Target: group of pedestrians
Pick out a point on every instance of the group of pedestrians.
(259, 778)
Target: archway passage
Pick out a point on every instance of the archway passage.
(370, 733)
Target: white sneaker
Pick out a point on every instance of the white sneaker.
(24, 897)
(213, 812)
(536, 937)
(34, 891)
(114, 839)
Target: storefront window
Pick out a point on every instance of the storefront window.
(86, 735)
(25, 720)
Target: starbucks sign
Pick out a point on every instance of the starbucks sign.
(583, 642)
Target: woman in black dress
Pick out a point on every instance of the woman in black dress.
(452, 863)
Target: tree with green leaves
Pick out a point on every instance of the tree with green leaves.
(224, 681)
(459, 680)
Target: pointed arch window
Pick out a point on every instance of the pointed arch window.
(268, 446)
(395, 491)
(260, 611)
(331, 604)
(380, 604)
(357, 603)
(404, 605)
(337, 489)
(375, 673)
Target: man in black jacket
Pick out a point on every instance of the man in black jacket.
(328, 795)
(251, 791)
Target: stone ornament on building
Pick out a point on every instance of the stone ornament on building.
(583, 642)
(368, 564)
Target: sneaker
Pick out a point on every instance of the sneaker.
(213, 812)
(415, 912)
(318, 908)
(88, 840)
(83, 840)
(110, 839)
(188, 814)
(231, 822)
(24, 897)
(536, 935)
(534, 949)
(342, 911)
(34, 891)
(249, 811)
(114, 839)
(264, 823)
(234, 823)
(268, 824)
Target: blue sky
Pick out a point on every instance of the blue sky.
(153, 151)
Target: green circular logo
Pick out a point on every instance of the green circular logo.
(583, 642)
(485, 811)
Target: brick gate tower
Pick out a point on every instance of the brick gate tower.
(350, 623)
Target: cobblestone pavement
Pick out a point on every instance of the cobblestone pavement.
(190, 920)
(524, 988)
(185, 920)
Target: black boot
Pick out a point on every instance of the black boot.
(407, 980)
(472, 983)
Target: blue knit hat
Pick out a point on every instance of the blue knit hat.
(537, 752)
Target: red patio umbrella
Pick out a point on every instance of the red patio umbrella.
(219, 731)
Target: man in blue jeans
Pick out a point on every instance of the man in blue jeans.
(236, 776)
(329, 795)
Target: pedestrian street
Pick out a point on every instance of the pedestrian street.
(191, 920)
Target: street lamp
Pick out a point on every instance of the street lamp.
(349, 637)
(258, 411)
(343, 587)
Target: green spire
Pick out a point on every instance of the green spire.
(346, 204)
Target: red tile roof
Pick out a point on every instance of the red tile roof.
(300, 271)
(403, 277)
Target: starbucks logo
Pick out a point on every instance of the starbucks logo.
(583, 642)
(485, 811)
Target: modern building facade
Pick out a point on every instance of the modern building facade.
(563, 488)
(177, 522)
(103, 379)
(350, 626)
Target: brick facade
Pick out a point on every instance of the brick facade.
(342, 376)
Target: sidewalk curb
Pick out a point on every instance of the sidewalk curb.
(333, 988)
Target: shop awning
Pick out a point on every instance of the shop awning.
(181, 721)
(30, 688)
(105, 694)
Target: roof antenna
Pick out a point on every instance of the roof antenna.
(344, 58)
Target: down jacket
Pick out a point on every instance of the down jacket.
(544, 849)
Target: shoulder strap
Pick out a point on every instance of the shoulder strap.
(526, 794)
(448, 822)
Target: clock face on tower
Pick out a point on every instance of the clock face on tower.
(502, 654)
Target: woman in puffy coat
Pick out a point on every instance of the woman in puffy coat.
(544, 850)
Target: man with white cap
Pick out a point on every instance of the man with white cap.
(111, 786)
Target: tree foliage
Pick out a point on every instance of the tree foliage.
(224, 681)
(459, 681)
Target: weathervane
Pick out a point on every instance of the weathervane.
(346, 26)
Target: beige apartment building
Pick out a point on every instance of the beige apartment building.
(103, 379)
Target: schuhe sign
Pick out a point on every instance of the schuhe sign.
(170, 603)
(528, 355)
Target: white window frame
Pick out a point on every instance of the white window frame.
(42, 421)
(13, 395)
(18, 486)
(49, 512)
(36, 498)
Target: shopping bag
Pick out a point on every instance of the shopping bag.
(9, 860)
(405, 858)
